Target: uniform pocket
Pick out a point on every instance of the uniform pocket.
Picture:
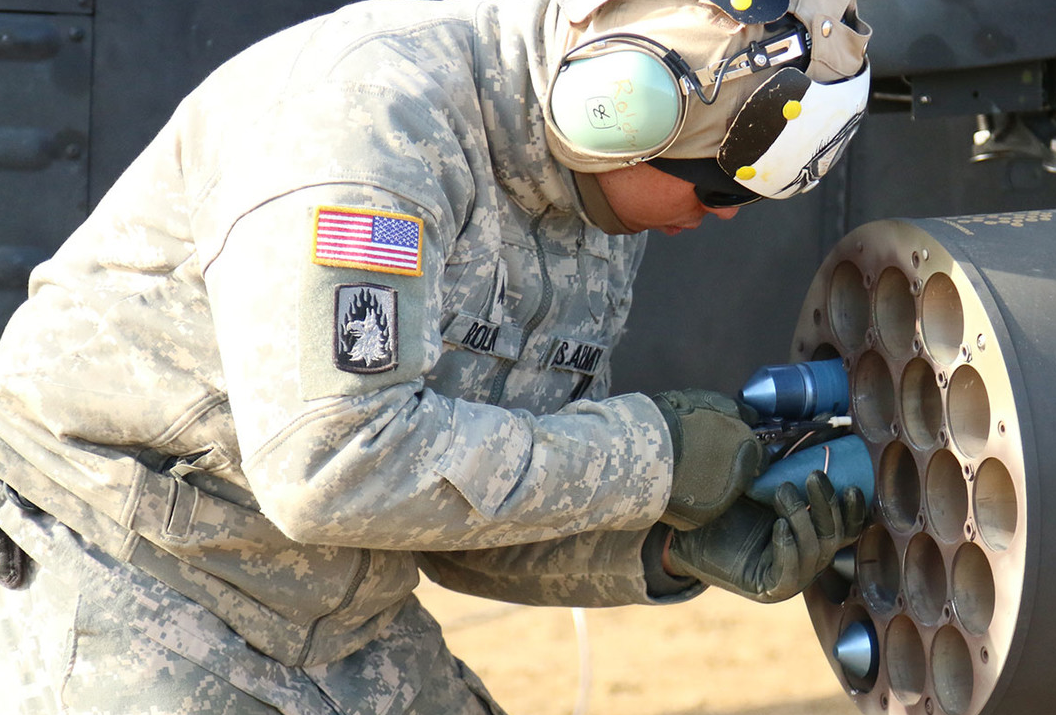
(839, 49)
(243, 548)
(594, 275)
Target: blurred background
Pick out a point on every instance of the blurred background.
(960, 122)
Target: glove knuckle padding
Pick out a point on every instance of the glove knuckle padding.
(715, 454)
(720, 457)
(710, 400)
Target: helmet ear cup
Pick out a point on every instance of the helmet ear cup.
(625, 103)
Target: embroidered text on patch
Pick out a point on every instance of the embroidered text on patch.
(365, 328)
(575, 356)
(368, 239)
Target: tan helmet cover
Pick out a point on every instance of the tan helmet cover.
(703, 34)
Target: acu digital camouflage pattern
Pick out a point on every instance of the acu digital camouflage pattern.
(170, 392)
(78, 656)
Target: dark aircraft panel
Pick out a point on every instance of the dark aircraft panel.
(917, 36)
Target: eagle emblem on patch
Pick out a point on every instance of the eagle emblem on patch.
(365, 328)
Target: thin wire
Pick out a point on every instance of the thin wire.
(579, 618)
(719, 76)
(798, 442)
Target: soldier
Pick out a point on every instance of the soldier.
(350, 316)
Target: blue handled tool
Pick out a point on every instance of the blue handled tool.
(845, 460)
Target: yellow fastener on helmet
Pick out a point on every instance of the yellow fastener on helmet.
(792, 109)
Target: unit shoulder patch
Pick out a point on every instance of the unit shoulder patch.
(368, 239)
(365, 331)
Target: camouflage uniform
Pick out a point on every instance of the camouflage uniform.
(245, 448)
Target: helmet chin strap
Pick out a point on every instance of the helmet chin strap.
(597, 206)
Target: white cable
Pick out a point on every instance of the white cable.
(579, 618)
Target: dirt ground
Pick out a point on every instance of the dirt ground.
(715, 655)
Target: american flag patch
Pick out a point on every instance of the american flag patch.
(367, 239)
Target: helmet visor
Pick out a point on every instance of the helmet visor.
(782, 141)
(791, 131)
(714, 187)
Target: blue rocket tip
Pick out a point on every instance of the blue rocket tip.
(857, 650)
(843, 564)
(761, 392)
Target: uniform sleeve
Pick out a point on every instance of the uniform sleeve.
(341, 442)
(594, 569)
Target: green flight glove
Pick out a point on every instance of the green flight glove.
(770, 555)
(716, 454)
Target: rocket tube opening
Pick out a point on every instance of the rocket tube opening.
(946, 496)
(996, 505)
(873, 396)
(974, 592)
(898, 484)
(969, 410)
(849, 305)
(878, 571)
(896, 313)
(942, 318)
(951, 666)
(925, 579)
(921, 403)
(906, 663)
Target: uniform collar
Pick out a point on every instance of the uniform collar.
(513, 36)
